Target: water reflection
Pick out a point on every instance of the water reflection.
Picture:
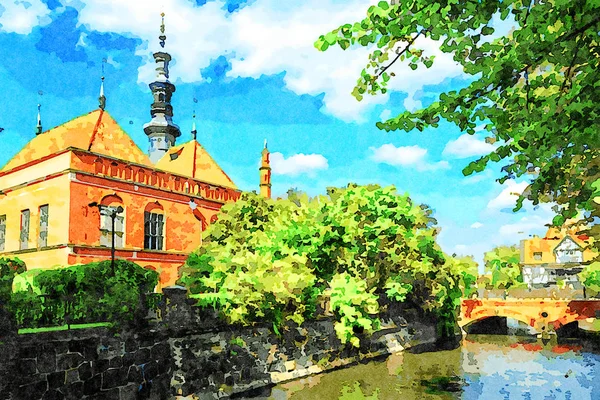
(484, 367)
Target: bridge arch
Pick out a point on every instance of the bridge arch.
(541, 314)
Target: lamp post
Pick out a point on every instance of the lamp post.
(193, 207)
(112, 213)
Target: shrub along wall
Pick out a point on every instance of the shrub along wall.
(84, 294)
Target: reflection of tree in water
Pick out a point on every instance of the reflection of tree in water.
(356, 393)
(404, 376)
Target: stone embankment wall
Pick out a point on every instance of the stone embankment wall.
(188, 352)
(233, 361)
(84, 364)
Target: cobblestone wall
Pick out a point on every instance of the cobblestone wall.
(91, 364)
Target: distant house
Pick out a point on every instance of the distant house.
(558, 256)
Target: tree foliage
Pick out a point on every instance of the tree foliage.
(280, 260)
(590, 278)
(503, 265)
(467, 270)
(536, 88)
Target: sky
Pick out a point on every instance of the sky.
(255, 74)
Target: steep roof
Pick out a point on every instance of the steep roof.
(96, 131)
(191, 159)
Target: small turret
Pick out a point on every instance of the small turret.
(265, 173)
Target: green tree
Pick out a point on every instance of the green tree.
(279, 260)
(503, 265)
(590, 278)
(467, 269)
(536, 87)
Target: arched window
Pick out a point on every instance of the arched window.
(108, 207)
(161, 97)
(154, 218)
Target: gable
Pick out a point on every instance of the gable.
(192, 160)
(567, 244)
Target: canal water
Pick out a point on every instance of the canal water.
(484, 367)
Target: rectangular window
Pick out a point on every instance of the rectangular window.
(2, 231)
(537, 256)
(106, 228)
(153, 231)
(24, 232)
(43, 235)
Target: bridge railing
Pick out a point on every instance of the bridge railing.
(529, 293)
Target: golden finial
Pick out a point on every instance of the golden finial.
(162, 37)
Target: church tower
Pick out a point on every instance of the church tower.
(265, 173)
(161, 130)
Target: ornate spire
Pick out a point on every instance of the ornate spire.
(194, 131)
(102, 98)
(162, 36)
(161, 130)
(38, 130)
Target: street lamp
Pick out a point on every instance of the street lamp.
(193, 207)
(112, 213)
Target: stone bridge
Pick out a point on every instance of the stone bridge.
(541, 314)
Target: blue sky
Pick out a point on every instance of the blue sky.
(253, 69)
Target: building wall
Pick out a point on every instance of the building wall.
(181, 232)
(50, 191)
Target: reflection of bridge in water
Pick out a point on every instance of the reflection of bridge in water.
(543, 315)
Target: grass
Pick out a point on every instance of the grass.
(63, 327)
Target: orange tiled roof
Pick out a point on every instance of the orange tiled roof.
(96, 131)
(191, 159)
(548, 243)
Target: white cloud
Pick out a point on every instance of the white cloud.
(526, 225)
(477, 177)
(476, 225)
(509, 195)
(268, 37)
(467, 146)
(385, 115)
(298, 164)
(21, 16)
(405, 156)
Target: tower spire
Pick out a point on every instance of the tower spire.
(38, 130)
(102, 98)
(194, 131)
(161, 130)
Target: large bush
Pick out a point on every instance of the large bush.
(9, 268)
(279, 260)
(84, 294)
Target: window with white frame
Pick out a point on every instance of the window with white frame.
(24, 230)
(2, 231)
(106, 227)
(43, 233)
(153, 230)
